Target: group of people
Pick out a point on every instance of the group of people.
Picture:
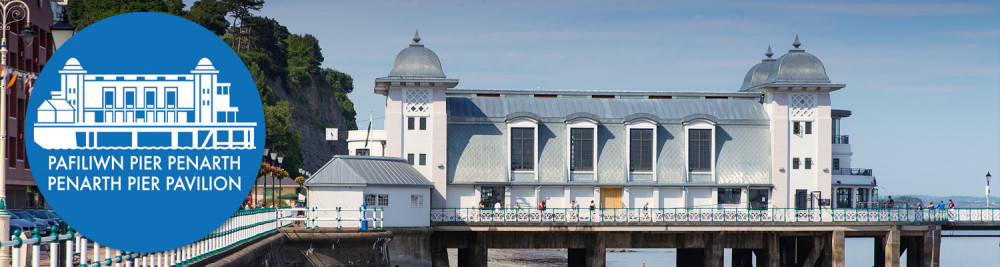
(541, 205)
(939, 206)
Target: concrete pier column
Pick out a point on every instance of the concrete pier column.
(892, 248)
(690, 257)
(593, 255)
(773, 251)
(932, 247)
(715, 255)
(837, 245)
(742, 257)
(879, 251)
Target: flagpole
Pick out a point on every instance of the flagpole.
(371, 117)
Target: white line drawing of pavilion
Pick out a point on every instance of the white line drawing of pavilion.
(158, 111)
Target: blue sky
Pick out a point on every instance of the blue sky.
(923, 77)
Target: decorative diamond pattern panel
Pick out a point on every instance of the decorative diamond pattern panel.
(476, 153)
(552, 144)
(670, 160)
(611, 153)
(743, 155)
(417, 101)
(802, 105)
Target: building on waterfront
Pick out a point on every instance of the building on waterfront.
(23, 60)
(764, 145)
(190, 110)
(268, 190)
(389, 185)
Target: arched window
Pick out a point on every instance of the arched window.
(582, 145)
(523, 148)
(641, 150)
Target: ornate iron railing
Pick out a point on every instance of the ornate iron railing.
(606, 215)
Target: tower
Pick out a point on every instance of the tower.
(416, 122)
(796, 97)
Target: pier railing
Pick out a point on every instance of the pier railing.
(362, 218)
(72, 249)
(617, 215)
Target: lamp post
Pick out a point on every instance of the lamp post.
(274, 197)
(12, 11)
(988, 176)
(62, 30)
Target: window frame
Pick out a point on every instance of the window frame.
(411, 123)
(641, 124)
(795, 163)
(699, 124)
(357, 152)
(417, 200)
(808, 164)
(581, 123)
(522, 122)
(423, 123)
(422, 159)
(836, 164)
(732, 191)
(410, 159)
(808, 127)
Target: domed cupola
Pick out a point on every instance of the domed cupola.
(798, 67)
(416, 61)
(758, 73)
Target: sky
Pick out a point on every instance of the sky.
(923, 77)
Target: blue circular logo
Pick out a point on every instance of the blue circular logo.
(145, 132)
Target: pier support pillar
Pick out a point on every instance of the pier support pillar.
(932, 247)
(742, 257)
(594, 255)
(892, 248)
(690, 257)
(837, 246)
(715, 253)
(773, 251)
(879, 252)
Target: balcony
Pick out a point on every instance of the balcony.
(841, 139)
(852, 171)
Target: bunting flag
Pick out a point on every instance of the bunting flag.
(13, 78)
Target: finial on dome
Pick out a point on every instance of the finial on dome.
(416, 37)
(769, 53)
(796, 44)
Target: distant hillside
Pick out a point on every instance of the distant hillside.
(960, 201)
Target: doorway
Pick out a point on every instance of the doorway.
(611, 198)
(801, 199)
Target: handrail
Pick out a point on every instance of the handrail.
(605, 215)
(841, 139)
(852, 171)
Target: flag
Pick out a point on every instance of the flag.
(370, 118)
(13, 78)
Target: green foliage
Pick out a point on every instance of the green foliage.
(267, 36)
(281, 133)
(338, 80)
(914, 201)
(210, 14)
(342, 84)
(86, 12)
(240, 9)
(253, 61)
(304, 57)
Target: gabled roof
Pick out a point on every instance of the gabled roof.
(367, 171)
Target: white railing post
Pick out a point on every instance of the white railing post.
(70, 250)
(15, 256)
(83, 250)
(36, 253)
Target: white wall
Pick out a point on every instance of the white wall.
(462, 196)
(356, 140)
(671, 197)
(700, 198)
(332, 197)
(640, 196)
(525, 195)
(554, 197)
(400, 212)
(583, 195)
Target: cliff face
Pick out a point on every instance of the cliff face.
(315, 109)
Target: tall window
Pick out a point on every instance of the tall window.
(809, 127)
(836, 164)
(843, 197)
(423, 123)
(700, 150)
(809, 163)
(410, 123)
(423, 159)
(729, 195)
(150, 98)
(129, 99)
(522, 149)
(641, 150)
(795, 163)
(109, 99)
(796, 128)
(581, 149)
(409, 159)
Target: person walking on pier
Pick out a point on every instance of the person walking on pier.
(941, 205)
(891, 202)
(592, 206)
(541, 205)
(951, 205)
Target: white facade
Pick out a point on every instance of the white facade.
(406, 207)
(356, 143)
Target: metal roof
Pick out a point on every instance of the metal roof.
(417, 61)
(797, 66)
(758, 73)
(605, 109)
(367, 171)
